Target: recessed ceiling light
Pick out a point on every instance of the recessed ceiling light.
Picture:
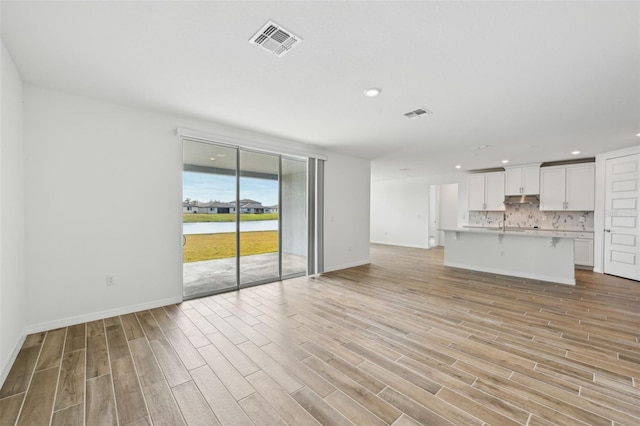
(458, 166)
(505, 161)
(575, 152)
(212, 158)
(221, 155)
(638, 135)
(372, 92)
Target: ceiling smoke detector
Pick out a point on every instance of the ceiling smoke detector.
(275, 39)
(417, 113)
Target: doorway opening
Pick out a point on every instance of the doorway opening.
(443, 211)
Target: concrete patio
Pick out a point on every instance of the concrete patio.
(209, 276)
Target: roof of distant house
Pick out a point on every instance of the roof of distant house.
(215, 204)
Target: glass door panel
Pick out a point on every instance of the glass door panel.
(244, 218)
(293, 217)
(258, 205)
(209, 221)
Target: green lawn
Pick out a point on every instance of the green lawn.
(220, 246)
(226, 217)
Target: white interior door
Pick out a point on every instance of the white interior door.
(622, 230)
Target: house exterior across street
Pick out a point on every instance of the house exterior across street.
(215, 207)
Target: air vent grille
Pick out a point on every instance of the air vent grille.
(417, 113)
(275, 39)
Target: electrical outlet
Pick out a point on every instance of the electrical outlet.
(582, 219)
(111, 280)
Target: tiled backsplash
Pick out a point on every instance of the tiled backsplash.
(528, 216)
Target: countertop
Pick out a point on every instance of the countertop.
(532, 232)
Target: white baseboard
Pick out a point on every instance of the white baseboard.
(347, 265)
(14, 354)
(65, 322)
(385, 243)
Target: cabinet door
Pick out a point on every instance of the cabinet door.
(552, 188)
(476, 192)
(494, 191)
(531, 180)
(513, 181)
(580, 187)
(584, 252)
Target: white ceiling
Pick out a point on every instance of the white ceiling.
(532, 80)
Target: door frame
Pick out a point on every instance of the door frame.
(599, 213)
(434, 216)
(313, 196)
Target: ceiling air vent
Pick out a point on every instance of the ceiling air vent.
(417, 113)
(275, 39)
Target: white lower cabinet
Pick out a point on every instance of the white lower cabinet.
(584, 249)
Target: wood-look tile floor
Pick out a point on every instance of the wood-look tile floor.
(402, 341)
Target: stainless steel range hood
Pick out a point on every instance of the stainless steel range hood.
(521, 199)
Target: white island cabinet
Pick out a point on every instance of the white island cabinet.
(567, 187)
(539, 255)
(584, 250)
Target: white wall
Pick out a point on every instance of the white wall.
(88, 164)
(13, 293)
(400, 209)
(89, 161)
(346, 212)
(400, 212)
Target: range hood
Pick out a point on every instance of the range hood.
(521, 199)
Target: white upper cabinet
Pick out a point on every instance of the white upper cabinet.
(486, 191)
(522, 180)
(567, 187)
(581, 181)
(552, 188)
(494, 191)
(476, 192)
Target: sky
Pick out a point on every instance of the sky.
(205, 187)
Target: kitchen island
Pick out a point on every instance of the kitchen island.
(541, 255)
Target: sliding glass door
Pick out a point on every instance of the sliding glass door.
(244, 218)
(293, 233)
(209, 218)
(259, 198)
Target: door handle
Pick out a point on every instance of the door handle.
(607, 230)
